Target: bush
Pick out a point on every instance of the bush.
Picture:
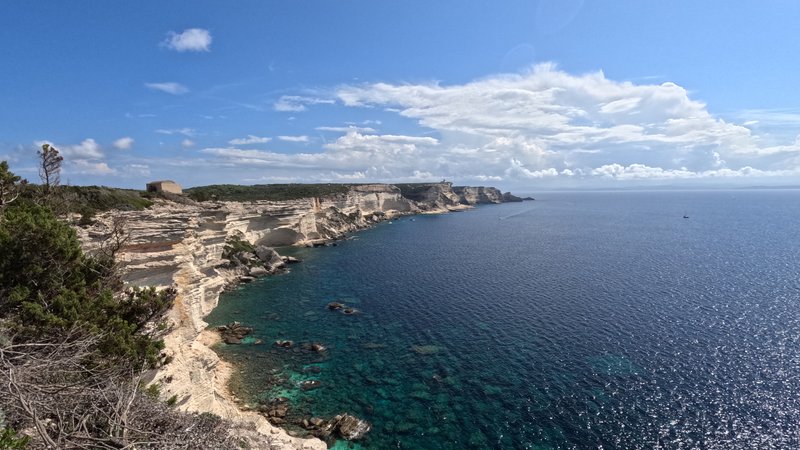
(236, 244)
(48, 285)
(9, 439)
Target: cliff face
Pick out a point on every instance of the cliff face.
(471, 195)
(181, 245)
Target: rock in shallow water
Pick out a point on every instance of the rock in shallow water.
(284, 344)
(349, 427)
(334, 306)
(310, 384)
(234, 332)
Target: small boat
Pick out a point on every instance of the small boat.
(685, 216)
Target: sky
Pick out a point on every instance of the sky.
(519, 94)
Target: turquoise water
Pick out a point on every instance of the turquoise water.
(581, 320)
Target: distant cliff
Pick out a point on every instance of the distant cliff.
(446, 196)
(181, 244)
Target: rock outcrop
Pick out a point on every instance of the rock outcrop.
(182, 245)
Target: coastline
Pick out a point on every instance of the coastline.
(181, 246)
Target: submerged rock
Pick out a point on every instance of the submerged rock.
(425, 349)
(312, 369)
(373, 346)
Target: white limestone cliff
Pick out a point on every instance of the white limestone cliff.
(181, 245)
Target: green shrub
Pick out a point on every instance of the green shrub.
(48, 286)
(9, 440)
(153, 391)
(272, 192)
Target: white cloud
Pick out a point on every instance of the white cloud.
(643, 172)
(534, 128)
(386, 155)
(189, 132)
(168, 87)
(293, 138)
(87, 149)
(123, 143)
(296, 103)
(519, 170)
(190, 40)
(546, 123)
(347, 129)
(250, 139)
(90, 168)
(186, 143)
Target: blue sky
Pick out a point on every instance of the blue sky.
(519, 94)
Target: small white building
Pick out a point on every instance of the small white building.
(164, 186)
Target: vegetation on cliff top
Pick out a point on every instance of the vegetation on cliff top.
(272, 192)
(415, 191)
(74, 341)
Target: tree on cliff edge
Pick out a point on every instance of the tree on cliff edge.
(49, 168)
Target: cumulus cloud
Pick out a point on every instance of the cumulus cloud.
(169, 87)
(85, 158)
(123, 143)
(250, 139)
(186, 143)
(190, 40)
(84, 167)
(547, 123)
(87, 149)
(643, 172)
(293, 138)
(384, 155)
(296, 103)
(541, 126)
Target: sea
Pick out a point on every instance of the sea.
(580, 320)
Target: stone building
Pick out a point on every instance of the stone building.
(164, 186)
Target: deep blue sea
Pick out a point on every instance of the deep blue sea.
(579, 320)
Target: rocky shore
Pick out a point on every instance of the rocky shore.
(203, 248)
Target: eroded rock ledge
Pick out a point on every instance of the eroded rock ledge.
(183, 245)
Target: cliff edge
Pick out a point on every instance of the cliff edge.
(181, 244)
